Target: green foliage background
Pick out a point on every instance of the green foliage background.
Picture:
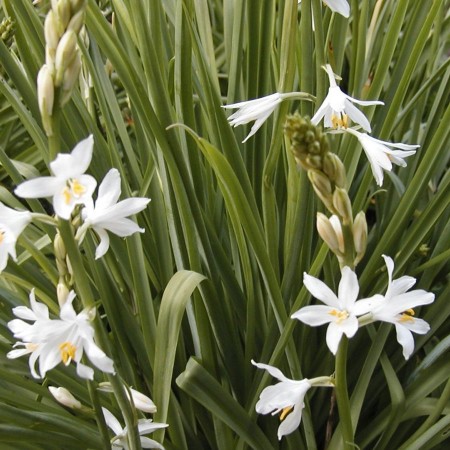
(231, 227)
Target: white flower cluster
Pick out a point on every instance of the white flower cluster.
(344, 314)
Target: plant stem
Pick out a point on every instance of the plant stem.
(342, 394)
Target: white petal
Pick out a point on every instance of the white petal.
(150, 443)
(314, 315)
(103, 246)
(120, 210)
(349, 326)
(112, 422)
(356, 115)
(274, 371)
(39, 187)
(405, 339)
(339, 6)
(320, 290)
(334, 335)
(98, 357)
(84, 371)
(323, 109)
(14, 220)
(109, 190)
(291, 422)
(348, 288)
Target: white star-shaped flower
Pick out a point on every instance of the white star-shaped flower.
(57, 340)
(339, 312)
(69, 185)
(12, 223)
(110, 215)
(145, 426)
(338, 107)
(380, 155)
(396, 307)
(285, 397)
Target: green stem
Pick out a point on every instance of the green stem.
(99, 417)
(343, 401)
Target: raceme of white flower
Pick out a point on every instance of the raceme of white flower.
(110, 215)
(337, 107)
(396, 307)
(340, 312)
(69, 185)
(339, 6)
(57, 340)
(257, 110)
(145, 426)
(380, 155)
(141, 401)
(12, 223)
(285, 397)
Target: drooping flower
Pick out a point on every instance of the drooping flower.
(396, 307)
(285, 397)
(12, 223)
(145, 426)
(338, 107)
(57, 340)
(339, 6)
(340, 312)
(141, 401)
(380, 155)
(110, 215)
(69, 185)
(259, 109)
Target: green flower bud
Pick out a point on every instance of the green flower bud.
(360, 236)
(343, 206)
(65, 54)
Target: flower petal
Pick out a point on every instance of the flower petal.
(320, 290)
(39, 187)
(314, 315)
(348, 288)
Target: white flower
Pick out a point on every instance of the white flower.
(396, 307)
(141, 401)
(340, 6)
(145, 426)
(68, 186)
(65, 397)
(340, 312)
(380, 155)
(110, 215)
(12, 223)
(257, 110)
(57, 340)
(337, 107)
(286, 397)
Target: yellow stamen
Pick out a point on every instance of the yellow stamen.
(335, 121)
(341, 315)
(67, 352)
(285, 411)
(67, 195)
(344, 121)
(407, 316)
(73, 188)
(77, 188)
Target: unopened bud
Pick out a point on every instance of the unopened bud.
(341, 202)
(63, 396)
(59, 247)
(70, 77)
(327, 232)
(46, 97)
(62, 292)
(334, 168)
(63, 12)
(77, 5)
(322, 187)
(65, 54)
(360, 235)
(76, 22)
(52, 34)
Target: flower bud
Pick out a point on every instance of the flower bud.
(69, 79)
(360, 235)
(65, 54)
(343, 206)
(46, 97)
(52, 34)
(62, 292)
(322, 187)
(76, 5)
(63, 12)
(327, 232)
(76, 22)
(334, 168)
(63, 396)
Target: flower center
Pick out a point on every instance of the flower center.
(285, 412)
(407, 316)
(340, 315)
(337, 122)
(67, 352)
(73, 189)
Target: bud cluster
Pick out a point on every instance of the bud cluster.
(345, 237)
(60, 72)
(7, 30)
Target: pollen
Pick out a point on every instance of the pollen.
(73, 189)
(285, 412)
(337, 122)
(407, 316)
(340, 315)
(67, 352)
(77, 188)
(67, 195)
